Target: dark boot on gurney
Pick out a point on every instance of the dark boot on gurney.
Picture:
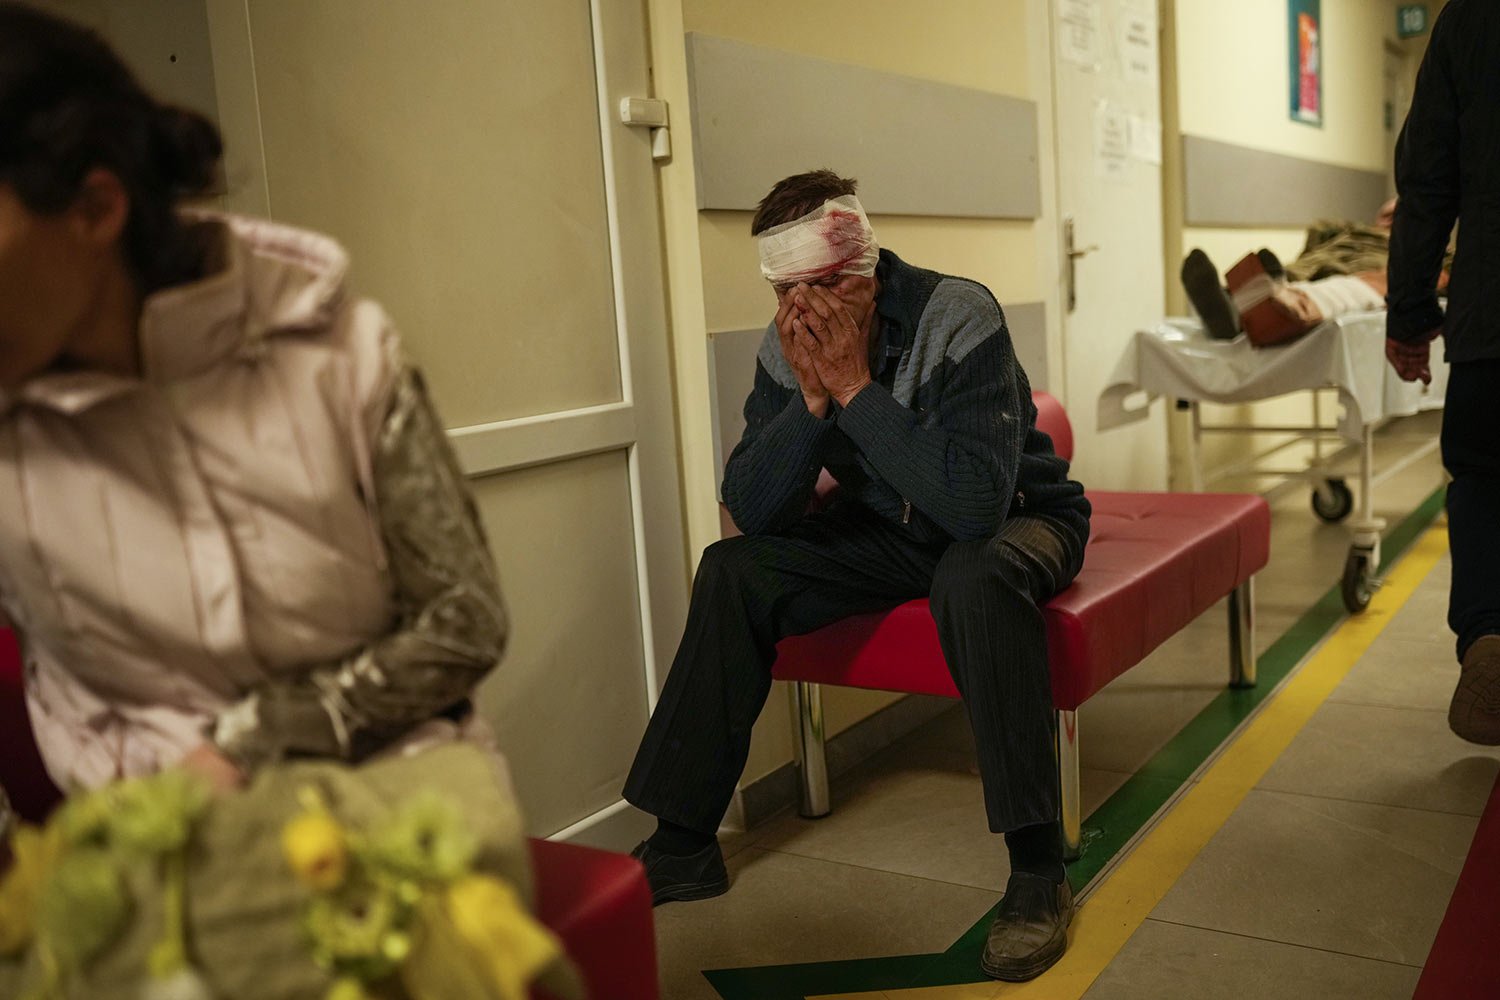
(1256, 300)
(1200, 279)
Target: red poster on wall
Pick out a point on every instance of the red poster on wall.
(1306, 61)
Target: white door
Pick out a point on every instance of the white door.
(470, 155)
(1106, 108)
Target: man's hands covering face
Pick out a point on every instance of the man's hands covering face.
(827, 334)
(794, 347)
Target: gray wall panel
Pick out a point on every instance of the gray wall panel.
(916, 146)
(164, 42)
(1229, 185)
(731, 358)
(1028, 332)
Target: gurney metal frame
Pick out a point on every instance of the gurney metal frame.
(1332, 500)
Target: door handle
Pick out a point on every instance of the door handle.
(1072, 253)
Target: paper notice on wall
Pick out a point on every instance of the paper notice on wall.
(1145, 139)
(1078, 30)
(1138, 41)
(1111, 140)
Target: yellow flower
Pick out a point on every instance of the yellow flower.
(347, 988)
(34, 854)
(512, 948)
(316, 850)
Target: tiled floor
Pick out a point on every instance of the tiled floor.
(1328, 881)
(1332, 877)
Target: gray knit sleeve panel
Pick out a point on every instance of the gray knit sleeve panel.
(960, 316)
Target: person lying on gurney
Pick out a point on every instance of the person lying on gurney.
(1342, 269)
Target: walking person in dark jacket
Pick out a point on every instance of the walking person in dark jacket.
(1447, 170)
(903, 384)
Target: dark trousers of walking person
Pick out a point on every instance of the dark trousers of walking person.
(1471, 454)
(750, 592)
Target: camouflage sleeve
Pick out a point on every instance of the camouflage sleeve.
(452, 628)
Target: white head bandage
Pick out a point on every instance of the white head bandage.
(833, 239)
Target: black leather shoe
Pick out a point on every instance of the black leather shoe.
(697, 876)
(1030, 932)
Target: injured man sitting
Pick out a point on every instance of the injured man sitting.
(1341, 270)
(903, 384)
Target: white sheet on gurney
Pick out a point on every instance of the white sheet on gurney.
(1176, 359)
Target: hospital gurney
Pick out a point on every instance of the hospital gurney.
(1176, 359)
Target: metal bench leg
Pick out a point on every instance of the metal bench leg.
(1068, 794)
(811, 753)
(1242, 635)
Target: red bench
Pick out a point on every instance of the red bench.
(599, 905)
(32, 794)
(1463, 963)
(1154, 562)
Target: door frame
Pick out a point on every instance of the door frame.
(643, 422)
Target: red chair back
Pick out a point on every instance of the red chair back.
(1053, 422)
(25, 780)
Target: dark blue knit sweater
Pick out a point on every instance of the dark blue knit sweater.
(943, 443)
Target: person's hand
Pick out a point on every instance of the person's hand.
(1412, 361)
(840, 349)
(210, 764)
(796, 352)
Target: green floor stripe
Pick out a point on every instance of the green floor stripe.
(1146, 791)
(1106, 830)
(1399, 538)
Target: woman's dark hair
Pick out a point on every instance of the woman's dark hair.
(795, 196)
(69, 105)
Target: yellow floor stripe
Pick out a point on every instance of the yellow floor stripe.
(1131, 892)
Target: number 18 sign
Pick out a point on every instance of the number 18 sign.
(1411, 19)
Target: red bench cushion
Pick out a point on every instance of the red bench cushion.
(1463, 963)
(598, 903)
(1155, 561)
(22, 775)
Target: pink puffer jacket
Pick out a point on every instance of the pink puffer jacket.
(168, 542)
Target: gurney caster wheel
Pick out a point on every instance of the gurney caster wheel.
(1358, 583)
(1332, 501)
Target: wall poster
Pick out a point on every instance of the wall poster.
(1078, 29)
(1305, 24)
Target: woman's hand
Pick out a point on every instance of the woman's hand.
(210, 764)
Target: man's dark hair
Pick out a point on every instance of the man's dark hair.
(797, 195)
(67, 105)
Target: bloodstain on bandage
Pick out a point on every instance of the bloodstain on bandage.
(833, 239)
(847, 235)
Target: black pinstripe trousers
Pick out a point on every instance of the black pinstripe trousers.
(1471, 454)
(752, 591)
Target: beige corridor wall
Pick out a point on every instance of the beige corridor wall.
(1225, 78)
(1231, 71)
(982, 44)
